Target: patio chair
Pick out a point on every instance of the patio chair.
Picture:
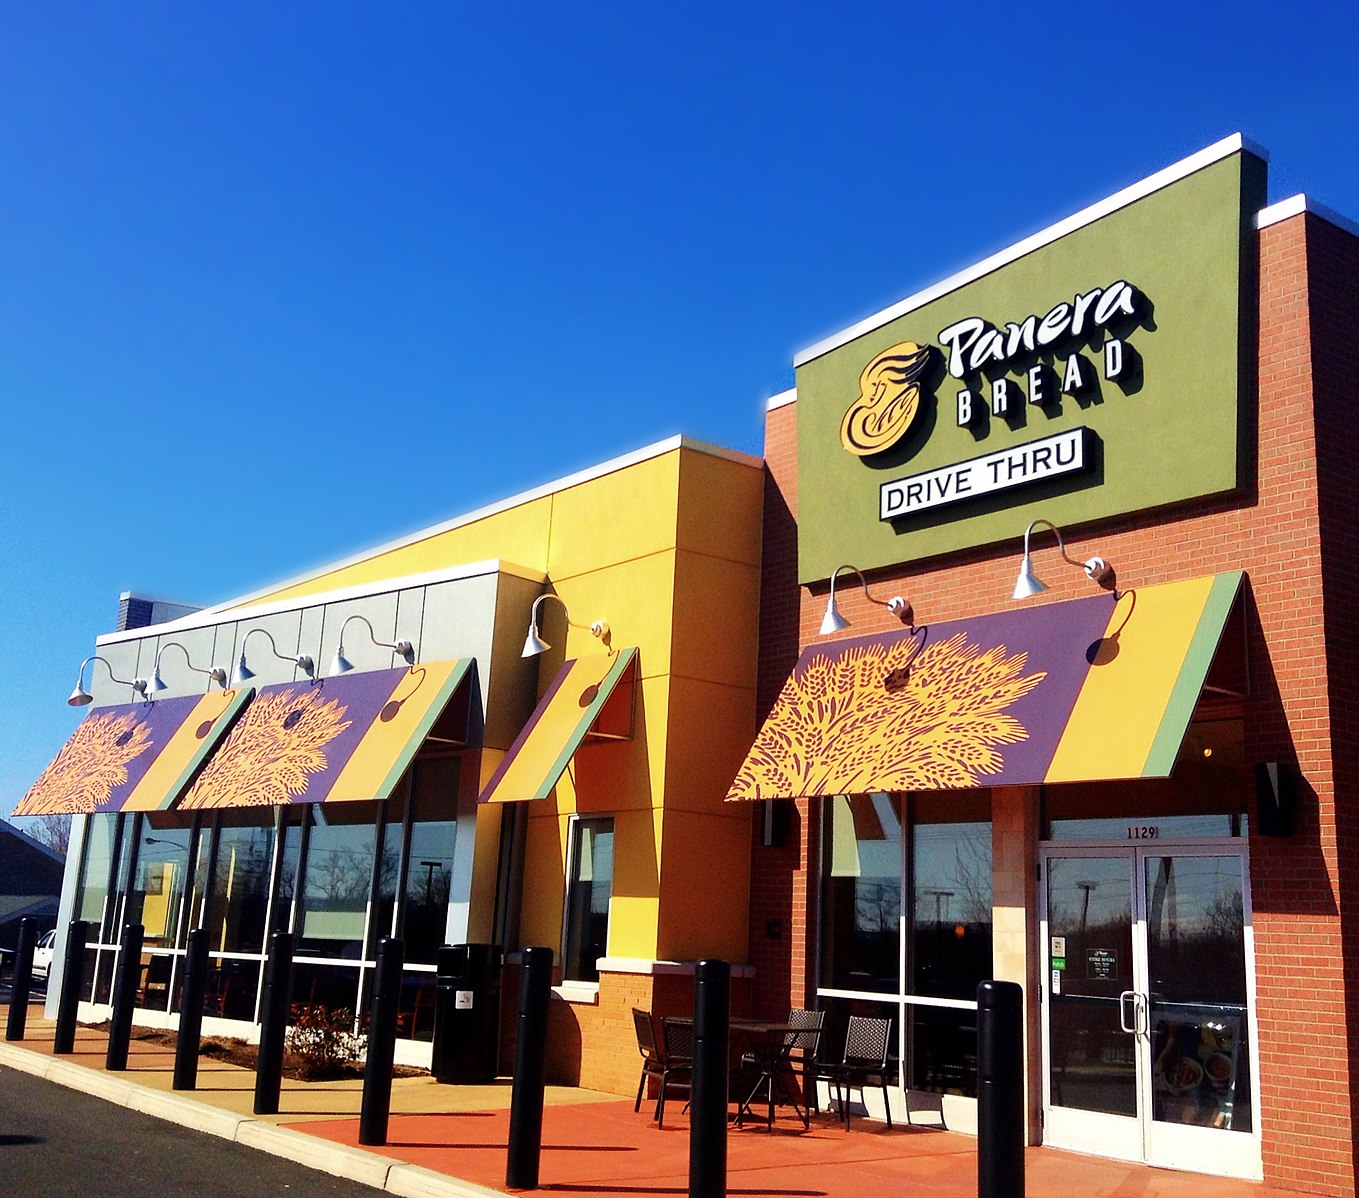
(868, 1044)
(668, 1057)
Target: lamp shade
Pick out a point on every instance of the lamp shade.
(80, 697)
(1028, 583)
(833, 621)
(242, 674)
(339, 664)
(533, 643)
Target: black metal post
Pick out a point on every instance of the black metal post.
(124, 996)
(530, 1071)
(377, 1069)
(21, 983)
(278, 984)
(196, 967)
(1000, 1090)
(708, 1121)
(72, 977)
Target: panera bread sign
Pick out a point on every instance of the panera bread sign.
(1001, 369)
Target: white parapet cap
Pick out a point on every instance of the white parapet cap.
(1087, 216)
(782, 399)
(238, 607)
(1296, 206)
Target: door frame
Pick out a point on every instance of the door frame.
(1140, 1137)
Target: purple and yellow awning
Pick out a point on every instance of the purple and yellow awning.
(576, 706)
(1084, 690)
(134, 757)
(327, 740)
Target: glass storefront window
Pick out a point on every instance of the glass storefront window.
(910, 880)
(430, 873)
(162, 872)
(950, 932)
(101, 842)
(238, 900)
(589, 889)
(861, 905)
(338, 878)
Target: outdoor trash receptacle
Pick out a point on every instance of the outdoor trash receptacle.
(466, 1013)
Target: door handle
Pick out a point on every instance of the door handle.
(1123, 1000)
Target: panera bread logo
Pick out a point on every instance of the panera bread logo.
(983, 356)
(889, 400)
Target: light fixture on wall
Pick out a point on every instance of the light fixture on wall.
(80, 696)
(534, 643)
(1029, 584)
(215, 673)
(833, 621)
(340, 664)
(243, 673)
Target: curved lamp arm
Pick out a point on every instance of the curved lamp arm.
(534, 643)
(1097, 569)
(215, 673)
(339, 663)
(833, 621)
(80, 696)
(244, 673)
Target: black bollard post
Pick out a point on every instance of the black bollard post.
(196, 967)
(21, 983)
(1000, 1090)
(278, 984)
(124, 996)
(377, 1069)
(708, 1122)
(530, 1070)
(72, 978)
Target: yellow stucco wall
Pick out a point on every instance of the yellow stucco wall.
(667, 550)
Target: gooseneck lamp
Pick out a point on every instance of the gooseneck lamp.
(243, 673)
(215, 673)
(340, 664)
(534, 643)
(834, 621)
(1028, 584)
(80, 696)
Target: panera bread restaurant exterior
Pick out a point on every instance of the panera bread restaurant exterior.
(1133, 792)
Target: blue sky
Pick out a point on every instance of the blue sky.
(279, 282)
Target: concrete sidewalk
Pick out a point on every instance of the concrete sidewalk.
(450, 1140)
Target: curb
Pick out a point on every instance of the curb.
(353, 1164)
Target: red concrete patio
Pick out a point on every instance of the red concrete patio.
(594, 1145)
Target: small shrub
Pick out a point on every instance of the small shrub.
(321, 1044)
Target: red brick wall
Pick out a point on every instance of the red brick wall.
(780, 900)
(1304, 677)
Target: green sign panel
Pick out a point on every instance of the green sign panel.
(1096, 375)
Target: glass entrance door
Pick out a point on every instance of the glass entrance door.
(1147, 1041)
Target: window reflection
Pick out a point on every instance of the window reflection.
(101, 840)
(239, 895)
(589, 890)
(862, 896)
(338, 879)
(430, 874)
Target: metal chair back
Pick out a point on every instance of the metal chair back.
(868, 1041)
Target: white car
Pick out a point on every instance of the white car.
(42, 956)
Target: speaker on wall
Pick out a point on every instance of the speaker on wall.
(1276, 797)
